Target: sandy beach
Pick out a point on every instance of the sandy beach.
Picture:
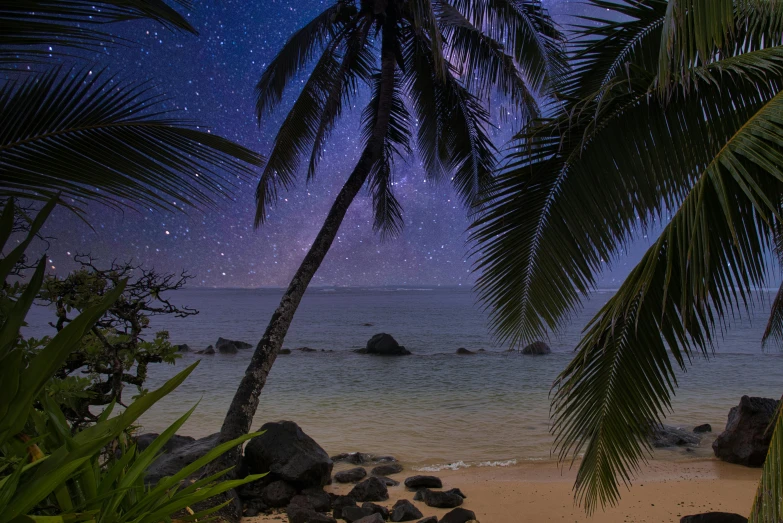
(538, 492)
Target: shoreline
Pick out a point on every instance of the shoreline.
(662, 492)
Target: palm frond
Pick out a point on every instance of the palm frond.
(768, 504)
(387, 210)
(298, 52)
(699, 272)
(89, 136)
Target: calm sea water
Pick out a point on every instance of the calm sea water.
(434, 408)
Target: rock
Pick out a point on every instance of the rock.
(231, 346)
(351, 514)
(285, 351)
(255, 505)
(702, 428)
(714, 517)
(537, 348)
(746, 438)
(306, 349)
(431, 519)
(464, 352)
(174, 461)
(368, 324)
(417, 482)
(289, 454)
(313, 498)
(438, 499)
(384, 459)
(351, 475)
(457, 492)
(458, 515)
(182, 347)
(208, 350)
(300, 514)
(389, 482)
(419, 496)
(384, 345)
(231, 512)
(377, 509)
(339, 503)
(278, 494)
(374, 518)
(482, 350)
(404, 510)
(386, 469)
(371, 489)
(667, 436)
(357, 458)
(175, 442)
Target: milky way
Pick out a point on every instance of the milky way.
(210, 79)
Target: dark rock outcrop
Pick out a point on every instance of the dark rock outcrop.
(701, 429)
(306, 349)
(300, 514)
(175, 442)
(357, 458)
(339, 503)
(746, 438)
(464, 352)
(387, 469)
(404, 510)
(289, 454)
(278, 494)
(170, 463)
(458, 515)
(373, 518)
(224, 345)
(182, 347)
(440, 499)
(664, 436)
(351, 475)
(351, 514)
(417, 482)
(371, 489)
(383, 344)
(313, 498)
(208, 350)
(714, 517)
(537, 348)
(377, 509)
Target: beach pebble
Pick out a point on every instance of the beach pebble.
(404, 510)
(537, 348)
(371, 489)
(339, 503)
(702, 428)
(417, 482)
(438, 499)
(278, 494)
(458, 515)
(351, 514)
(375, 518)
(714, 517)
(746, 438)
(351, 475)
(377, 509)
(387, 469)
(300, 514)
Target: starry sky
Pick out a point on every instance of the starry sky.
(210, 78)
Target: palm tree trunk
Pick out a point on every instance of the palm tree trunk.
(243, 407)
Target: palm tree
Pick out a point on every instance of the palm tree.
(672, 111)
(88, 136)
(434, 61)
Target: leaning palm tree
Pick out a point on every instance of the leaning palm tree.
(432, 60)
(672, 111)
(86, 135)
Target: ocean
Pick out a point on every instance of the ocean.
(434, 409)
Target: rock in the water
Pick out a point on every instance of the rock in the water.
(176, 441)
(702, 428)
(458, 515)
(357, 458)
(231, 346)
(373, 518)
(313, 498)
(371, 489)
(278, 494)
(170, 463)
(417, 482)
(285, 351)
(182, 347)
(351, 514)
(300, 514)
(339, 503)
(389, 482)
(439, 499)
(387, 469)
(351, 475)
(457, 492)
(714, 517)
(289, 454)
(667, 436)
(464, 352)
(306, 349)
(208, 350)
(384, 345)
(404, 510)
(377, 509)
(746, 439)
(537, 348)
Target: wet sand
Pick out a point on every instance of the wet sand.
(538, 492)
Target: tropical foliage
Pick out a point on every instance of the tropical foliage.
(48, 471)
(78, 131)
(672, 112)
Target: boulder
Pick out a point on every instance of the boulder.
(351, 475)
(464, 352)
(377, 509)
(384, 459)
(172, 462)
(537, 348)
(313, 498)
(714, 517)
(231, 346)
(288, 454)
(702, 428)
(208, 350)
(417, 482)
(386, 469)
(440, 499)
(404, 510)
(389, 482)
(300, 514)
(278, 494)
(384, 345)
(306, 349)
(175, 442)
(746, 438)
(458, 515)
(371, 489)
(664, 436)
(284, 351)
(431, 519)
(457, 492)
(340, 503)
(373, 518)
(357, 458)
(182, 347)
(351, 514)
